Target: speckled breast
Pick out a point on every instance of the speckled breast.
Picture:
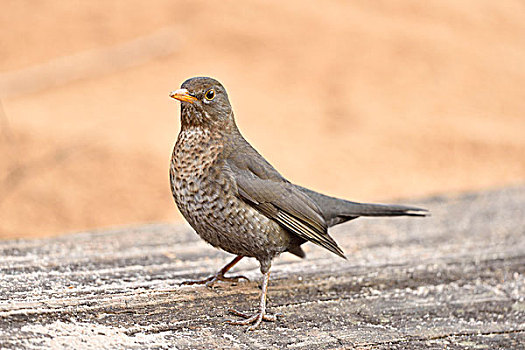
(206, 196)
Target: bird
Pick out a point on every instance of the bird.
(238, 202)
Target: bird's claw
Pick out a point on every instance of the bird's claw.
(255, 320)
(210, 281)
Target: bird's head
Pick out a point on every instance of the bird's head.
(204, 102)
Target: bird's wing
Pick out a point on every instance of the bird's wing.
(260, 185)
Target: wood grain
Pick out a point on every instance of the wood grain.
(454, 280)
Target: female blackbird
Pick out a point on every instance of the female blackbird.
(235, 200)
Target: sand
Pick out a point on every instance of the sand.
(371, 101)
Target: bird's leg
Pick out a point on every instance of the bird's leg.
(219, 276)
(256, 319)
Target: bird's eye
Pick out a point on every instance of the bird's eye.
(210, 94)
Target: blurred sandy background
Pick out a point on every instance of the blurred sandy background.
(372, 101)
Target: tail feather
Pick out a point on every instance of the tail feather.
(336, 211)
(367, 209)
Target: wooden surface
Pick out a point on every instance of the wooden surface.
(455, 280)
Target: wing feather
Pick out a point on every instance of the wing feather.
(268, 192)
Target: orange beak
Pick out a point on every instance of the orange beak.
(182, 95)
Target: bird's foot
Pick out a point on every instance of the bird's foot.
(255, 320)
(210, 281)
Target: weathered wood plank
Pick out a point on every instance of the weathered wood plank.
(455, 280)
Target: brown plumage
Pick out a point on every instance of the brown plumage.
(236, 201)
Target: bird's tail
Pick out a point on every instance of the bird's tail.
(368, 209)
(336, 211)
